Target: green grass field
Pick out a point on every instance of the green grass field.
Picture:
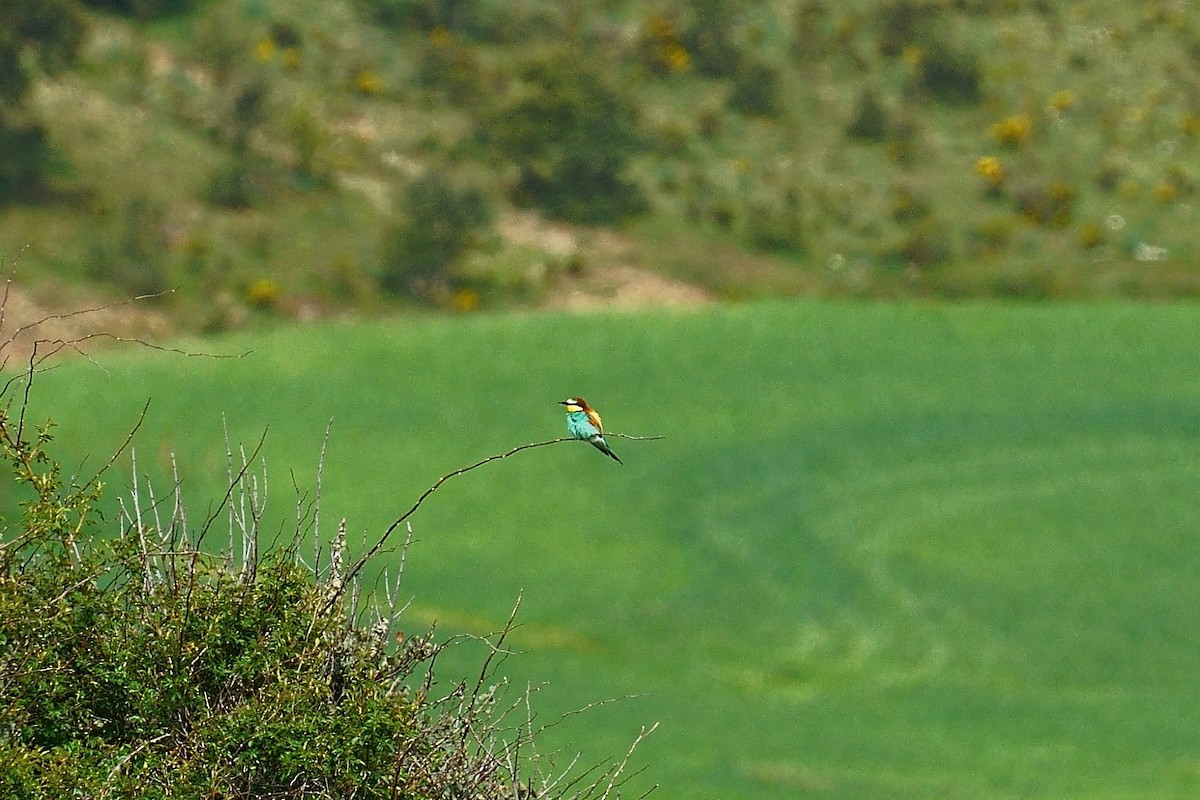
(885, 551)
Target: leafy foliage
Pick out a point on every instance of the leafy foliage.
(757, 124)
(441, 222)
(455, 15)
(41, 34)
(571, 134)
(142, 9)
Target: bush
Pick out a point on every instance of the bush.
(441, 222)
(756, 90)
(141, 665)
(571, 135)
(34, 34)
(707, 35)
(871, 121)
(951, 77)
(26, 159)
(462, 16)
(43, 34)
(129, 251)
(142, 9)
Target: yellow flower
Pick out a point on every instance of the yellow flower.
(263, 293)
(466, 300)
(367, 82)
(677, 58)
(1012, 131)
(990, 169)
(440, 36)
(1165, 192)
(1062, 100)
(265, 49)
(912, 55)
(1091, 235)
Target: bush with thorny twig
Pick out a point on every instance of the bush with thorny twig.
(159, 663)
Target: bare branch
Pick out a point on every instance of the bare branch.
(124, 445)
(361, 562)
(75, 343)
(233, 484)
(76, 313)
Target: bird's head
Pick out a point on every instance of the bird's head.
(574, 404)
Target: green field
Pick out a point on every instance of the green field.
(885, 551)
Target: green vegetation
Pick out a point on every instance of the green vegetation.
(571, 135)
(878, 147)
(144, 665)
(887, 551)
(33, 35)
(441, 222)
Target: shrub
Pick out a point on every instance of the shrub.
(811, 28)
(926, 244)
(756, 90)
(26, 159)
(143, 665)
(904, 24)
(1012, 131)
(949, 76)
(142, 9)
(659, 48)
(1050, 204)
(129, 250)
(870, 121)
(449, 65)
(42, 34)
(463, 16)
(441, 221)
(245, 180)
(34, 34)
(708, 36)
(571, 135)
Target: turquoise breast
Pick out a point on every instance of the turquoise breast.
(579, 426)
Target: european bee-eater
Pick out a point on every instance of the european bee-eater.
(584, 423)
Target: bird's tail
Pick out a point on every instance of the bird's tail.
(601, 445)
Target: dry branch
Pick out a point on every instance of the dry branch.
(361, 562)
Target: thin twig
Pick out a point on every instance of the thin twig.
(317, 500)
(124, 445)
(8, 287)
(634, 438)
(233, 484)
(358, 565)
(613, 781)
(78, 313)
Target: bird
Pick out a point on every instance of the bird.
(584, 423)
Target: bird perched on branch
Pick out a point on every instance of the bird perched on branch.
(584, 423)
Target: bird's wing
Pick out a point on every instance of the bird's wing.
(594, 418)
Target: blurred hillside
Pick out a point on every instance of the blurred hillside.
(303, 157)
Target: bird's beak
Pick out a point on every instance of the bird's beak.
(564, 402)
